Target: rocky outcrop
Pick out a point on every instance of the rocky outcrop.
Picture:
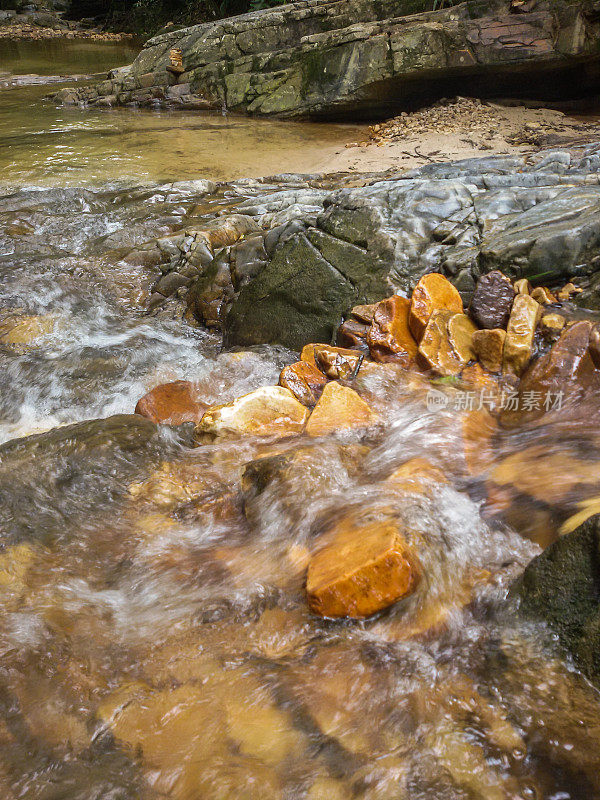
(532, 217)
(333, 58)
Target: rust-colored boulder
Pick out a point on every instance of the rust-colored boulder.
(304, 380)
(337, 362)
(489, 348)
(269, 411)
(432, 293)
(353, 334)
(339, 408)
(446, 346)
(364, 568)
(389, 336)
(492, 300)
(172, 404)
(564, 381)
(524, 317)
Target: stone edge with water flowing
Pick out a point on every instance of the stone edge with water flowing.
(340, 58)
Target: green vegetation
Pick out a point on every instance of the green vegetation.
(146, 17)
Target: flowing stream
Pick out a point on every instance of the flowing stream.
(155, 640)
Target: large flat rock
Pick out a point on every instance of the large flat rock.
(341, 58)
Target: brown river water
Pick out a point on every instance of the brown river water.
(155, 640)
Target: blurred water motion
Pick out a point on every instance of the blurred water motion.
(155, 640)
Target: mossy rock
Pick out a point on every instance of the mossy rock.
(562, 587)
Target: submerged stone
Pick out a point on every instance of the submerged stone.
(363, 569)
(23, 330)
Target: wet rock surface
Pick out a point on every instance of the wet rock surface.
(155, 633)
(315, 252)
(562, 587)
(324, 58)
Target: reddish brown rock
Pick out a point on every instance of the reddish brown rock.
(520, 333)
(564, 381)
(595, 346)
(363, 569)
(432, 293)
(339, 408)
(389, 337)
(172, 404)
(488, 346)
(364, 313)
(337, 362)
(304, 380)
(353, 334)
(492, 300)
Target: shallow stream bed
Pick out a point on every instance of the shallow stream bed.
(155, 640)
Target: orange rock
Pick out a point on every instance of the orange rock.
(308, 354)
(594, 346)
(488, 346)
(389, 336)
(478, 378)
(339, 408)
(172, 404)
(460, 334)
(432, 293)
(268, 411)
(567, 291)
(337, 362)
(436, 351)
(304, 380)
(363, 569)
(522, 286)
(416, 475)
(543, 296)
(520, 332)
